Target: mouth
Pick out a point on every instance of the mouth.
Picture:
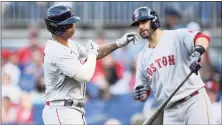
(143, 32)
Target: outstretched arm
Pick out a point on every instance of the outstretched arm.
(106, 49)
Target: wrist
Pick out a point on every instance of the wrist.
(199, 49)
(118, 44)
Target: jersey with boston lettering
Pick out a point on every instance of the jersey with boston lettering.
(164, 67)
(61, 63)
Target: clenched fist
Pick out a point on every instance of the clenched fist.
(92, 47)
(195, 59)
(141, 92)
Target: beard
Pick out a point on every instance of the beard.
(145, 34)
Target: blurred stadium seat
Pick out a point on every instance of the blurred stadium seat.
(115, 13)
(37, 114)
(122, 107)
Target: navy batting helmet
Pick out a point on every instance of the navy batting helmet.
(145, 13)
(58, 17)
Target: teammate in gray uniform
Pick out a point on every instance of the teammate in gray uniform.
(65, 75)
(167, 58)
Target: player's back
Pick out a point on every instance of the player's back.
(60, 85)
(167, 65)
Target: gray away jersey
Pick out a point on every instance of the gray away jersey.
(164, 67)
(61, 63)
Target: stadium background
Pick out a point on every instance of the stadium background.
(109, 99)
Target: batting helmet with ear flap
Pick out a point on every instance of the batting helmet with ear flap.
(145, 13)
(58, 17)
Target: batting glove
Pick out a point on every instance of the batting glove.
(92, 47)
(195, 59)
(127, 38)
(140, 91)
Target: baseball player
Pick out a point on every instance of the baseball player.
(65, 75)
(167, 58)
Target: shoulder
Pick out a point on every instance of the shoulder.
(54, 49)
(178, 33)
(183, 31)
(73, 44)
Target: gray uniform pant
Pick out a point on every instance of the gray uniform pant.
(58, 115)
(196, 110)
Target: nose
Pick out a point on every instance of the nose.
(73, 26)
(140, 26)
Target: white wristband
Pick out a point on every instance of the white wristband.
(118, 43)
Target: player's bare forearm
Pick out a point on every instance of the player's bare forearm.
(106, 49)
(203, 42)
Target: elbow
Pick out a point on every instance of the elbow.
(203, 40)
(84, 79)
(87, 79)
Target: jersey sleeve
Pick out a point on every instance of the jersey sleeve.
(68, 64)
(141, 78)
(186, 37)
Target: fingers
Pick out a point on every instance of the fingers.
(90, 41)
(93, 43)
(194, 67)
(139, 87)
(139, 95)
(136, 37)
(131, 34)
(132, 37)
(92, 47)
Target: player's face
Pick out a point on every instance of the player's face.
(144, 29)
(70, 30)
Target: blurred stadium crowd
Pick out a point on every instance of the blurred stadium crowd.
(109, 100)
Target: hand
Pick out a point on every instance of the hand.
(140, 92)
(127, 38)
(195, 62)
(92, 47)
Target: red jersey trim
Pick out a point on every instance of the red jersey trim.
(199, 35)
(58, 117)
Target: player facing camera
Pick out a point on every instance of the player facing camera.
(146, 20)
(168, 57)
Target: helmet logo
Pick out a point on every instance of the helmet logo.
(53, 24)
(136, 15)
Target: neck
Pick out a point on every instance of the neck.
(155, 38)
(60, 39)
